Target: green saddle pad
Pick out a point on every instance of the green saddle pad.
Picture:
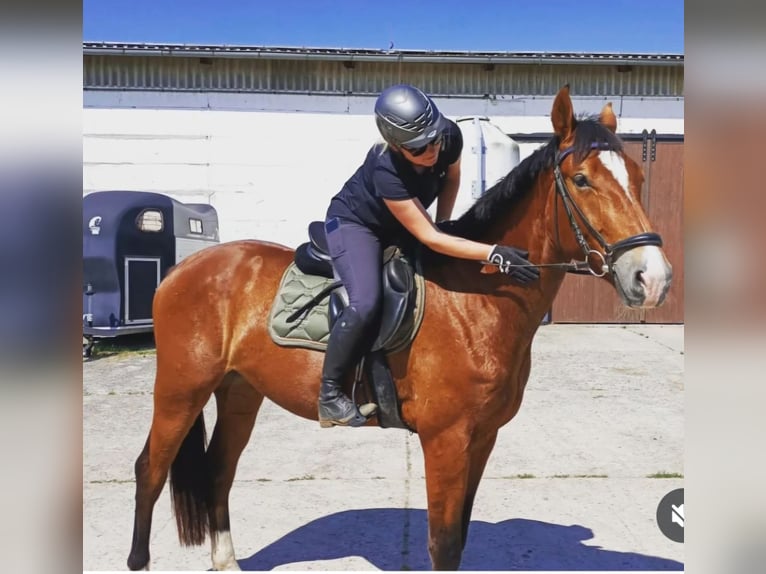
(310, 330)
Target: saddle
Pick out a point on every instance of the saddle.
(309, 301)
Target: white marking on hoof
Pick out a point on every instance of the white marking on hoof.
(223, 552)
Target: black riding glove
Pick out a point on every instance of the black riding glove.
(506, 257)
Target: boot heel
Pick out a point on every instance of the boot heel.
(326, 424)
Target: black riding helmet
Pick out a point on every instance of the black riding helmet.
(407, 117)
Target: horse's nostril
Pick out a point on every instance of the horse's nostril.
(639, 277)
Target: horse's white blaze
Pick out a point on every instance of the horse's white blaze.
(223, 551)
(616, 165)
(656, 272)
(655, 277)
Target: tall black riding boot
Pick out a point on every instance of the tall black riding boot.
(344, 349)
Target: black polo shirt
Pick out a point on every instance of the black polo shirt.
(388, 175)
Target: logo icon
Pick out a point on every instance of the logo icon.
(95, 225)
(677, 515)
(670, 515)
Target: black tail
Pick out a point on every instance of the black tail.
(190, 486)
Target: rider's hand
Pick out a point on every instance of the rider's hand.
(506, 257)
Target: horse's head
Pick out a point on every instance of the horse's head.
(598, 189)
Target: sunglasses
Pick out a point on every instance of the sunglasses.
(415, 152)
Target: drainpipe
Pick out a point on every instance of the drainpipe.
(479, 185)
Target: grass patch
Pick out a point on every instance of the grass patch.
(580, 476)
(135, 344)
(304, 477)
(664, 474)
(524, 475)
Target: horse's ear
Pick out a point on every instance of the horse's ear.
(608, 118)
(562, 115)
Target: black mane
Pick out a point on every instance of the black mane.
(502, 196)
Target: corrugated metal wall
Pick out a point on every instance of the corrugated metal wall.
(337, 77)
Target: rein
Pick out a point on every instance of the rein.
(610, 251)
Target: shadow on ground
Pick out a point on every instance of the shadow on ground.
(382, 536)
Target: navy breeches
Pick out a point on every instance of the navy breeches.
(357, 256)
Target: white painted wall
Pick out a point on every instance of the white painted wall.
(267, 173)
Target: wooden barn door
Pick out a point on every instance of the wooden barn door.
(586, 299)
(665, 208)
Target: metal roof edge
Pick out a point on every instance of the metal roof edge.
(354, 54)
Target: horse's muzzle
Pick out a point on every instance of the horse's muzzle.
(643, 276)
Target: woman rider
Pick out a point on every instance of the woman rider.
(385, 203)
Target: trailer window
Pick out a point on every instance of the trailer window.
(150, 220)
(195, 225)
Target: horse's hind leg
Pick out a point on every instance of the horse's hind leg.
(177, 428)
(237, 404)
(142, 519)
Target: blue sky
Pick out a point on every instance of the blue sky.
(645, 26)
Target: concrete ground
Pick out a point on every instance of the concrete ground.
(572, 484)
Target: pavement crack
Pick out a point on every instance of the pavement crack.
(407, 484)
(655, 341)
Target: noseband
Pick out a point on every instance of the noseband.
(610, 251)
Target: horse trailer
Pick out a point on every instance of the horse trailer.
(131, 239)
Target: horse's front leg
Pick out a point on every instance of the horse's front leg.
(448, 485)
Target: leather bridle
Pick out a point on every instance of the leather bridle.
(610, 251)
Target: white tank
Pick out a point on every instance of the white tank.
(488, 155)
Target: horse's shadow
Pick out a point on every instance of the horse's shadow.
(396, 539)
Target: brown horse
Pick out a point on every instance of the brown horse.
(575, 198)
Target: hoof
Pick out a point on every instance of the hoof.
(134, 565)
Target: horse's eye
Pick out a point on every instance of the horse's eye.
(580, 180)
